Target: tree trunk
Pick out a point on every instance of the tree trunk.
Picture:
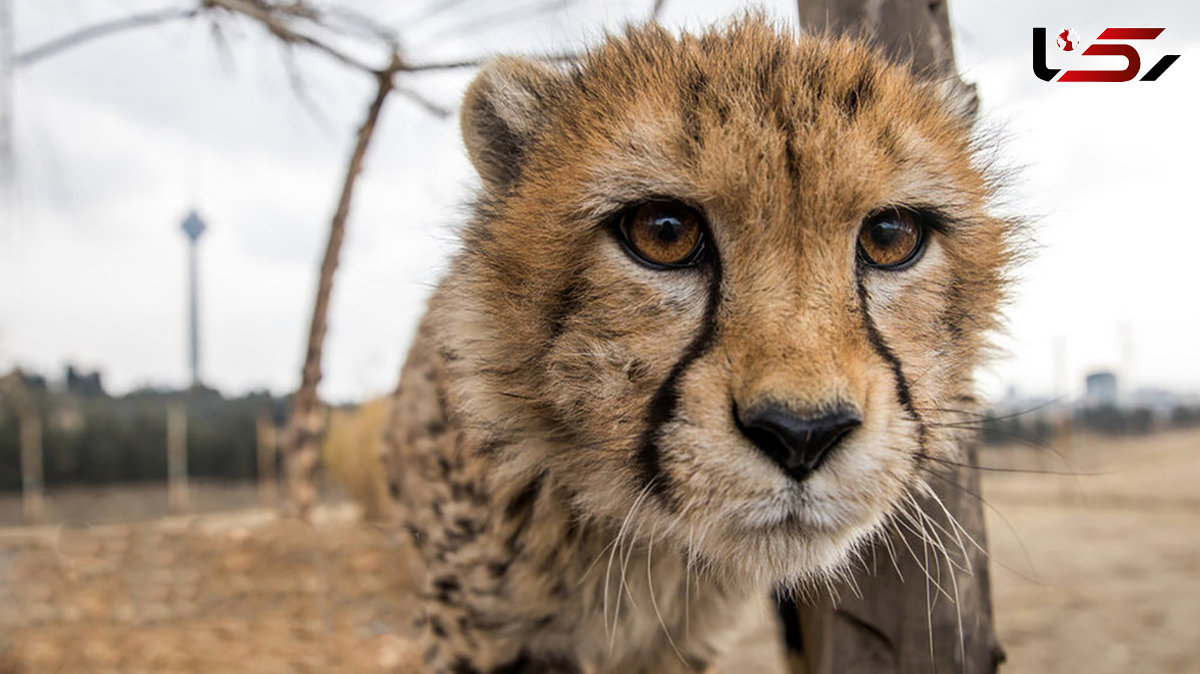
(301, 448)
(888, 618)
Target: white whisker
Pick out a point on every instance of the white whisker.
(654, 600)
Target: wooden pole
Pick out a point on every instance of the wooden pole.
(890, 617)
(903, 29)
(177, 477)
(29, 422)
(268, 492)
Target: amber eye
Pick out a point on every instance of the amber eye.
(891, 240)
(663, 234)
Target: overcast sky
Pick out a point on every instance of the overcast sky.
(118, 139)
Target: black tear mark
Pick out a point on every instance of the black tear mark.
(666, 398)
(880, 345)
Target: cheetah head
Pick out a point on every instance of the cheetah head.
(724, 289)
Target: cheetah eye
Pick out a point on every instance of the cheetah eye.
(891, 240)
(663, 234)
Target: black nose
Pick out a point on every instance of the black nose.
(797, 442)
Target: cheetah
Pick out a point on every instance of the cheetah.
(716, 298)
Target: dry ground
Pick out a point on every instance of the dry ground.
(1094, 573)
(1099, 572)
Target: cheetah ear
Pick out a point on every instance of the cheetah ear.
(502, 111)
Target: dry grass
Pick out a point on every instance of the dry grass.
(249, 593)
(350, 453)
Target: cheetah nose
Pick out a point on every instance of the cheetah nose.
(797, 442)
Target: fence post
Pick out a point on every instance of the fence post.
(33, 497)
(177, 477)
(29, 424)
(268, 485)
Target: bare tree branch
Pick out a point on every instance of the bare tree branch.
(433, 108)
(432, 10)
(305, 421)
(509, 14)
(476, 62)
(103, 29)
(300, 88)
(275, 18)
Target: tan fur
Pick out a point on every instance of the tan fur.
(517, 443)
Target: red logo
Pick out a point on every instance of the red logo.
(1104, 45)
(1066, 40)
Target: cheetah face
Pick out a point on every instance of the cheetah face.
(726, 288)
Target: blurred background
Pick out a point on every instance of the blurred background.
(169, 176)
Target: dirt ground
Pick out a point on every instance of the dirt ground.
(239, 593)
(1096, 572)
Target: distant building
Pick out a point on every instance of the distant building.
(84, 383)
(1101, 390)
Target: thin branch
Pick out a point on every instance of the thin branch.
(433, 108)
(268, 16)
(362, 26)
(103, 29)
(657, 11)
(431, 11)
(508, 15)
(300, 89)
(476, 62)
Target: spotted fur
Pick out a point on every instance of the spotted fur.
(563, 443)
